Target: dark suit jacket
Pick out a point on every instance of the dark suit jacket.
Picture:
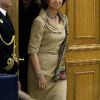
(6, 31)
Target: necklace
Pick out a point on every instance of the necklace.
(52, 16)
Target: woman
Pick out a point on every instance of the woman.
(47, 35)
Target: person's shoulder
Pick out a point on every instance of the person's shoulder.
(42, 15)
(63, 16)
(39, 20)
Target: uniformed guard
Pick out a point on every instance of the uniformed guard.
(8, 60)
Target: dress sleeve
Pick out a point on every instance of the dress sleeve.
(36, 36)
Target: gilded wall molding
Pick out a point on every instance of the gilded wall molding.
(84, 47)
(83, 62)
(91, 82)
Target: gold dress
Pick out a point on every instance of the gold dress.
(45, 40)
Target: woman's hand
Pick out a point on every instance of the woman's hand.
(42, 81)
(41, 78)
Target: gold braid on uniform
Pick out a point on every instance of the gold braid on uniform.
(8, 44)
(10, 60)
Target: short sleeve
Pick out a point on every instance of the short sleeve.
(36, 36)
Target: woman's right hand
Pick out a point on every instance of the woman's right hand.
(42, 81)
(41, 78)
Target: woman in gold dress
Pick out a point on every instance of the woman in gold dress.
(47, 34)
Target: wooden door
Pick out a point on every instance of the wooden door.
(83, 56)
(13, 12)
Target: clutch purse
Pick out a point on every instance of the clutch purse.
(60, 74)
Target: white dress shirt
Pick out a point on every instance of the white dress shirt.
(3, 11)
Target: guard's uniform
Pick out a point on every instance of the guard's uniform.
(7, 63)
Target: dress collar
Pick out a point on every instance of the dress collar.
(54, 28)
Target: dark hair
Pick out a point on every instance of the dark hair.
(44, 4)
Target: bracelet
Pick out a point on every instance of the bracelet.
(39, 74)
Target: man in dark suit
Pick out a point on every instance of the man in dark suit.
(8, 61)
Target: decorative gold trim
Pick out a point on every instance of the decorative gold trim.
(84, 47)
(84, 72)
(75, 80)
(9, 43)
(10, 63)
(12, 41)
(91, 36)
(83, 62)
